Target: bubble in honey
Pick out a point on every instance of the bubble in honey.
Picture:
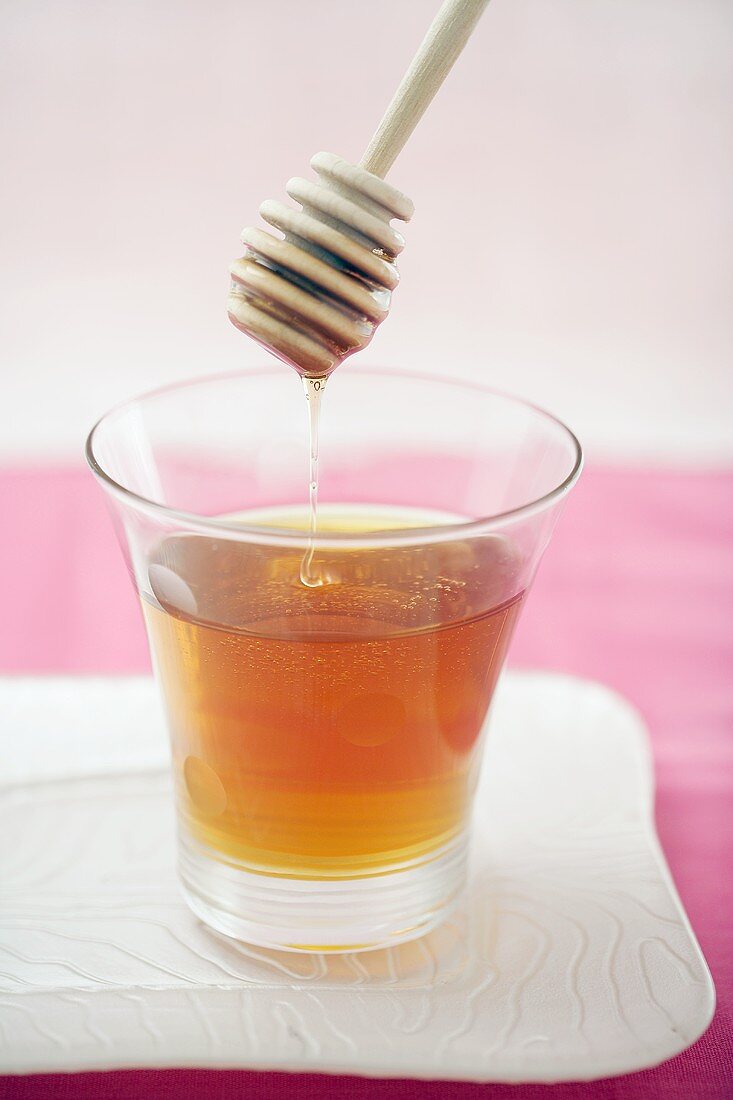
(370, 720)
(205, 788)
(460, 713)
(170, 589)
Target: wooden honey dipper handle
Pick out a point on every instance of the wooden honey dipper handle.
(448, 34)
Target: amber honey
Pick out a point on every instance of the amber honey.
(328, 730)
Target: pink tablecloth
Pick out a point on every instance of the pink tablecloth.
(636, 591)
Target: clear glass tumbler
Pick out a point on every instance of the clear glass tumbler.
(326, 737)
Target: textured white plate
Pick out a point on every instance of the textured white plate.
(571, 957)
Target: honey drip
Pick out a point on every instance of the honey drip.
(313, 387)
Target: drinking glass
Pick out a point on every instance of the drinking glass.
(326, 736)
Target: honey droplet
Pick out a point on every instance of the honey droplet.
(370, 720)
(205, 788)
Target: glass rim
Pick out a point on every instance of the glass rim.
(259, 532)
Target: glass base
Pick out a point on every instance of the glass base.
(296, 914)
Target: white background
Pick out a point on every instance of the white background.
(573, 184)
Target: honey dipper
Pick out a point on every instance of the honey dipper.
(316, 295)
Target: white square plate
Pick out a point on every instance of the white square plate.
(570, 958)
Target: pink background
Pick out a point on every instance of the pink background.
(636, 591)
